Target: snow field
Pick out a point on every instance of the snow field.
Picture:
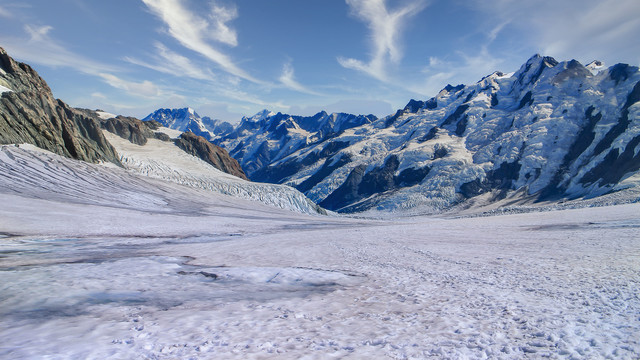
(176, 272)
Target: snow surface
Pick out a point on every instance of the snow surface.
(105, 115)
(174, 134)
(4, 89)
(102, 263)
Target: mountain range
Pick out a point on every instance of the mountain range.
(550, 131)
(29, 114)
(188, 120)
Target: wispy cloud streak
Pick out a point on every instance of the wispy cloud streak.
(194, 32)
(172, 63)
(288, 79)
(386, 27)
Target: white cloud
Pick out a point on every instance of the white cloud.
(145, 88)
(172, 63)
(5, 13)
(38, 33)
(220, 15)
(385, 27)
(585, 29)
(193, 31)
(40, 48)
(288, 79)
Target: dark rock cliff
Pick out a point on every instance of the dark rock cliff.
(213, 154)
(30, 114)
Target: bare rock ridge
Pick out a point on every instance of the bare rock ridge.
(30, 114)
(132, 129)
(213, 154)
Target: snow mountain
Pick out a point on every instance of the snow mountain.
(267, 137)
(547, 132)
(186, 119)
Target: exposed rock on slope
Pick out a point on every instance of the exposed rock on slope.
(213, 154)
(138, 132)
(133, 129)
(30, 114)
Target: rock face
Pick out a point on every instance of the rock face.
(30, 114)
(213, 154)
(550, 131)
(130, 128)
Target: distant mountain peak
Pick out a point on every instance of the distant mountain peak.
(187, 119)
(595, 66)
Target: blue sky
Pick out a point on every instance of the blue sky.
(230, 58)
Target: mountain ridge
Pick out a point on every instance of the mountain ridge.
(549, 131)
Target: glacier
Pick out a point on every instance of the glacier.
(97, 261)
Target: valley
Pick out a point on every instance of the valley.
(144, 268)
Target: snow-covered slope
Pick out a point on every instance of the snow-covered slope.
(163, 160)
(549, 131)
(186, 119)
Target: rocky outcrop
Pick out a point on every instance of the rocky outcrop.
(213, 154)
(132, 129)
(30, 114)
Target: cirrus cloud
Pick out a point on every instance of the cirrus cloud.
(385, 27)
(194, 32)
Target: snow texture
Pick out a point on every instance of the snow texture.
(99, 262)
(164, 160)
(105, 115)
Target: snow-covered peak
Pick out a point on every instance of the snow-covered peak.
(187, 119)
(595, 66)
(531, 71)
(261, 115)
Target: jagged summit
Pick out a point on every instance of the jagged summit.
(595, 66)
(187, 119)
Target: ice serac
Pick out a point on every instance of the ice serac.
(549, 131)
(30, 114)
(187, 119)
